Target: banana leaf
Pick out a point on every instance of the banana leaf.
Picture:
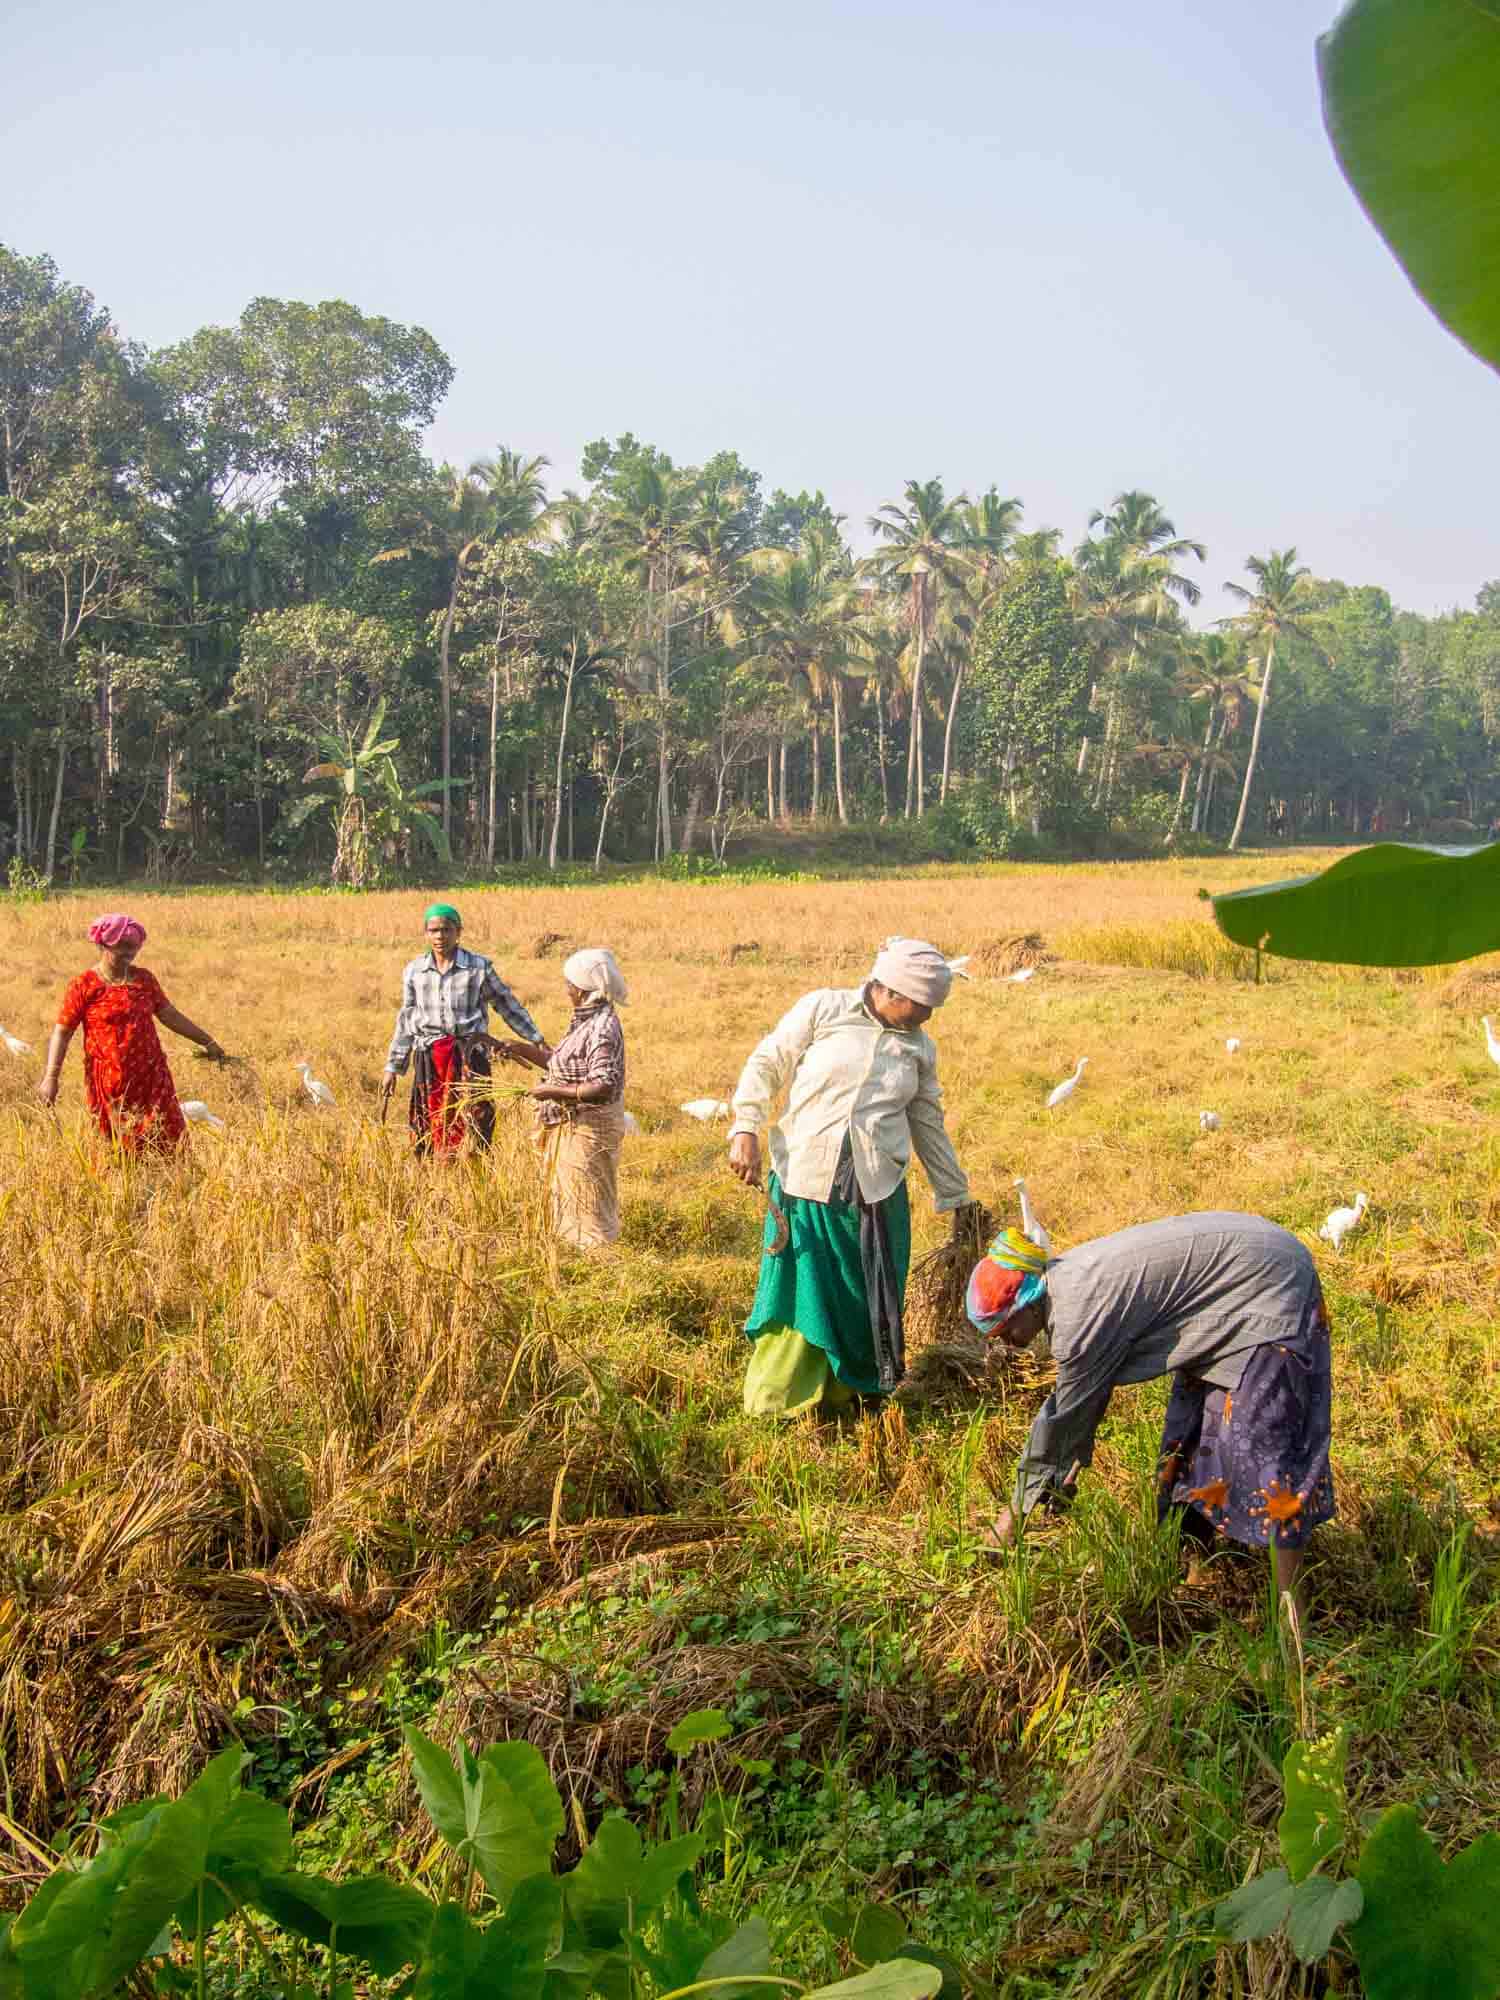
(1392, 904)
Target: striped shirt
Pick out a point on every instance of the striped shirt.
(592, 1051)
(454, 1001)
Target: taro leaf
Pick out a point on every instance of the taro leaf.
(1319, 1906)
(952, 1987)
(663, 1868)
(499, 1813)
(1256, 1909)
(516, 1944)
(450, 1958)
(1312, 1824)
(747, 1952)
(1410, 96)
(1391, 904)
(384, 1923)
(1430, 1931)
(704, 1725)
(839, 1917)
(597, 1893)
(86, 1936)
(253, 1838)
(898, 1979)
(879, 1933)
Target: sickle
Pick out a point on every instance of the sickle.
(782, 1231)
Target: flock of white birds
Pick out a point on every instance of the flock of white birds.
(709, 1110)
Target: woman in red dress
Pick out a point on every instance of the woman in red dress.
(125, 1075)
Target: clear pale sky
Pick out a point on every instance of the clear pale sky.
(1067, 248)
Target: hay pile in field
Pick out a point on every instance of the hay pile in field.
(1473, 989)
(935, 1290)
(999, 957)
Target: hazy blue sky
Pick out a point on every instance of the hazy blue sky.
(1063, 247)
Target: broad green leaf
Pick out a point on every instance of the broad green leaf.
(597, 1893)
(879, 1933)
(704, 1725)
(900, 1979)
(951, 1973)
(748, 1951)
(663, 1868)
(523, 1768)
(1312, 1823)
(516, 1945)
(384, 1923)
(499, 1813)
(449, 1969)
(1410, 96)
(1430, 1930)
(1257, 1909)
(1386, 905)
(253, 1837)
(439, 1786)
(1320, 1906)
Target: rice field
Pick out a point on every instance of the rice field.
(308, 1439)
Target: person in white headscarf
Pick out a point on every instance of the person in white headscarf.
(862, 1096)
(580, 1104)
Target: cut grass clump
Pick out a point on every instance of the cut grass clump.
(1186, 945)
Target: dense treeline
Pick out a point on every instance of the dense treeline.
(244, 622)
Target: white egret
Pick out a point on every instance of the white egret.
(1020, 978)
(195, 1109)
(1232, 1046)
(959, 967)
(705, 1109)
(631, 1127)
(316, 1089)
(1068, 1085)
(1341, 1220)
(19, 1048)
(1208, 1121)
(1029, 1223)
(1491, 1040)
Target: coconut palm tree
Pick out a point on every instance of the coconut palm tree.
(801, 617)
(519, 511)
(927, 552)
(1211, 669)
(1274, 610)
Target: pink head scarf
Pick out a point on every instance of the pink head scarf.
(116, 929)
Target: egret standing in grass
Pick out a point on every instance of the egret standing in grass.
(1491, 1039)
(446, 995)
(863, 1094)
(118, 1003)
(1228, 1305)
(322, 1097)
(1069, 1084)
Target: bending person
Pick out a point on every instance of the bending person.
(446, 995)
(863, 1094)
(580, 1104)
(1231, 1307)
(125, 1075)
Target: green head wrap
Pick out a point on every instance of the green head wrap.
(444, 910)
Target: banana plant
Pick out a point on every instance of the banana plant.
(373, 813)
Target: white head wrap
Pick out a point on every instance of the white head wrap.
(595, 971)
(913, 969)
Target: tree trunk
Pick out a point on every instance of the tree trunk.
(781, 772)
(446, 679)
(57, 798)
(770, 782)
(885, 794)
(489, 840)
(562, 739)
(815, 752)
(958, 682)
(838, 752)
(1208, 744)
(914, 735)
(1187, 766)
(1260, 715)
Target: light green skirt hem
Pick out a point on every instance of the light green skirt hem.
(788, 1375)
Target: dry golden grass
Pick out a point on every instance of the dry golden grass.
(297, 1387)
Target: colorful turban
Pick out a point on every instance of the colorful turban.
(915, 970)
(116, 929)
(444, 910)
(595, 971)
(1011, 1275)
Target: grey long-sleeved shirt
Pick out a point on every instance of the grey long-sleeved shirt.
(1196, 1293)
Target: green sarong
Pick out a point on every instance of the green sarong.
(816, 1287)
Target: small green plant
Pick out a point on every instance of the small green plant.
(1419, 1928)
(624, 1922)
(25, 884)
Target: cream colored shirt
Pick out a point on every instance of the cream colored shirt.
(848, 1072)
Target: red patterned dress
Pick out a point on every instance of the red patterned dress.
(125, 1075)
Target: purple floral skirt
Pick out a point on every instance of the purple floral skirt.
(1254, 1461)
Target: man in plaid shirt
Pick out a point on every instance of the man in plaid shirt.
(446, 995)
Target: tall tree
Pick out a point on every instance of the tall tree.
(1274, 612)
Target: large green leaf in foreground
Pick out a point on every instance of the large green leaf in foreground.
(1411, 98)
(1386, 905)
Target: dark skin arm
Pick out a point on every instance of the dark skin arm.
(571, 1093)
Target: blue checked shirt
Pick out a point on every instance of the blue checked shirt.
(455, 1002)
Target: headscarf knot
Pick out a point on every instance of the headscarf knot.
(116, 929)
(594, 970)
(1011, 1275)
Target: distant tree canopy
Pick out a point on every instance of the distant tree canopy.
(221, 559)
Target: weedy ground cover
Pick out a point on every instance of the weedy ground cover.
(310, 1442)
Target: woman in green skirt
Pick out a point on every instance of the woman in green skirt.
(863, 1095)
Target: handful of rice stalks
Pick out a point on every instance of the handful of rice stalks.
(935, 1291)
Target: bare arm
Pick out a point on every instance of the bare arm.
(190, 1031)
(51, 1077)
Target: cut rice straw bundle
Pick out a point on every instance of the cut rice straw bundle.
(938, 1282)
